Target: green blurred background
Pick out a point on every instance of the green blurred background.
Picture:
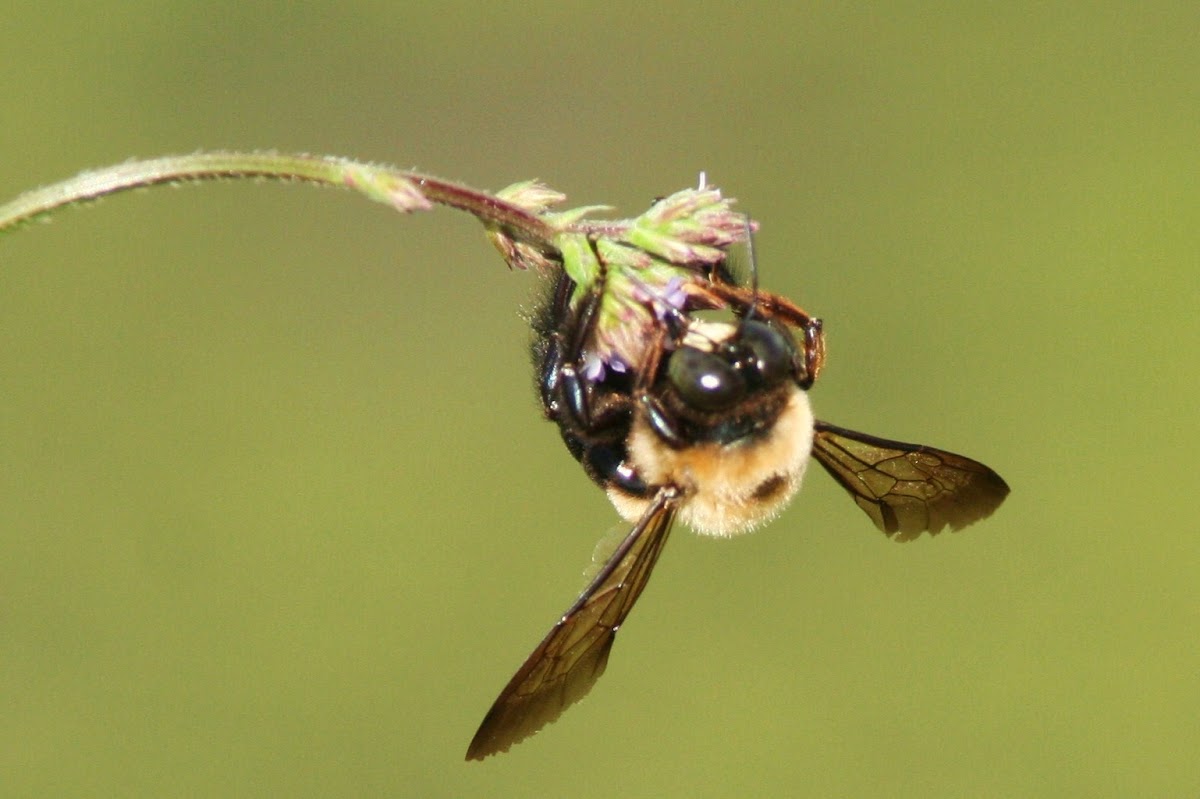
(278, 513)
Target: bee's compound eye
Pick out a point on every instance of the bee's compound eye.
(771, 352)
(704, 380)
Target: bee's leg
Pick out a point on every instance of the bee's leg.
(662, 423)
(608, 465)
(593, 422)
(564, 389)
(574, 386)
(814, 352)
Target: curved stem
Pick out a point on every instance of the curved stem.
(647, 261)
(404, 191)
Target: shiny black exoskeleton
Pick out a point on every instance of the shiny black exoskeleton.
(720, 394)
(592, 416)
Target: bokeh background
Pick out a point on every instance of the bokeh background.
(278, 513)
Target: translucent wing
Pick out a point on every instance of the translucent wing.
(908, 489)
(572, 656)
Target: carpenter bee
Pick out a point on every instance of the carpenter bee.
(709, 423)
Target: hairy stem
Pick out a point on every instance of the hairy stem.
(404, 191)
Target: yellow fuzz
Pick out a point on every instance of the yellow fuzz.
(727, 489)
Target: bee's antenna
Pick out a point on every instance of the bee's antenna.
(753, 268)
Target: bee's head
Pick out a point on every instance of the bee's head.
(728, 424)
(717, 366)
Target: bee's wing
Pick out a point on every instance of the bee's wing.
(908, 489)
(573, 654)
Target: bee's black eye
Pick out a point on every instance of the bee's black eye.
(767, 355)
(704, 380)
